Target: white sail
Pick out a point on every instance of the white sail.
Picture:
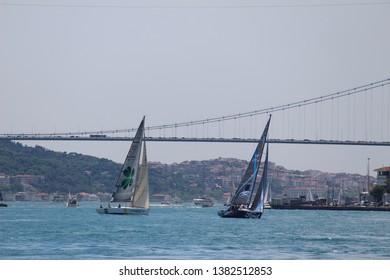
(309, 196)
(231, 193)
(141, 197)
(132, 185)
(127, 179)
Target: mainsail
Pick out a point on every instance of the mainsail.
(125, 185)
(244, 192)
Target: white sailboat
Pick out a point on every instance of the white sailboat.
(267, 197)
(72, 201)
(309, 196)
(132, 187)
(231, 194)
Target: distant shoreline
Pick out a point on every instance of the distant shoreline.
(325, 207)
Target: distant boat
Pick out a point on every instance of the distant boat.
(203, 202)
(2, 203)
(132, 187)
(231, 194)
(72, 201)
(167, 201)
(248, 200)
(267, 199)
(58, 198)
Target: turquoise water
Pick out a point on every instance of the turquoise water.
(31, 231)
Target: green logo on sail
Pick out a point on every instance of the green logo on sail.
(128, 181)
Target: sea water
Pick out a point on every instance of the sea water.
(45, 231)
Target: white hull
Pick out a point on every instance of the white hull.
(267, 206)
(123, 210)
(203, 202)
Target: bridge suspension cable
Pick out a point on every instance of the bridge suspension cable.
(299, 104)
(269, 110)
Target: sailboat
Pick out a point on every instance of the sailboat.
(267, 197)
(232, 192)
(248, 200)
(72, 201)
(2, 203)
(132, 187)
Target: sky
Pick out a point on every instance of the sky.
(74, 66)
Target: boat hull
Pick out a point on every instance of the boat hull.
(203, 202)
(245, 214)
(70, 205)
(123, 210)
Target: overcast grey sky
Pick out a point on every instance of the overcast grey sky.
(102, 65)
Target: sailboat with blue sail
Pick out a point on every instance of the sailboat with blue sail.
(248, 200)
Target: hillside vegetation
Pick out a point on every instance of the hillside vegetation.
(61, 172)
(64, 172)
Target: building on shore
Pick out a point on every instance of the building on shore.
(383, 176)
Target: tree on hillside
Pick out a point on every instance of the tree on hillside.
(377, 193)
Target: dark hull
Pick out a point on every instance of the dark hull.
(325, 207)
(245, 214)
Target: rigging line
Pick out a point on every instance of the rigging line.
(332, 119)
(348, 119)
(315, 122)
(388, 112)
(382, 116)
(239, 6)
(371, 115)
(354, 117)
(338, 121)
(299, 123)
(365, 115)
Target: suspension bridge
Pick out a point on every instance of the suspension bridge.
(357, 116)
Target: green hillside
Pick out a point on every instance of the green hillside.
(62, 171)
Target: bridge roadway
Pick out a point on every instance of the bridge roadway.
(31, 137)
